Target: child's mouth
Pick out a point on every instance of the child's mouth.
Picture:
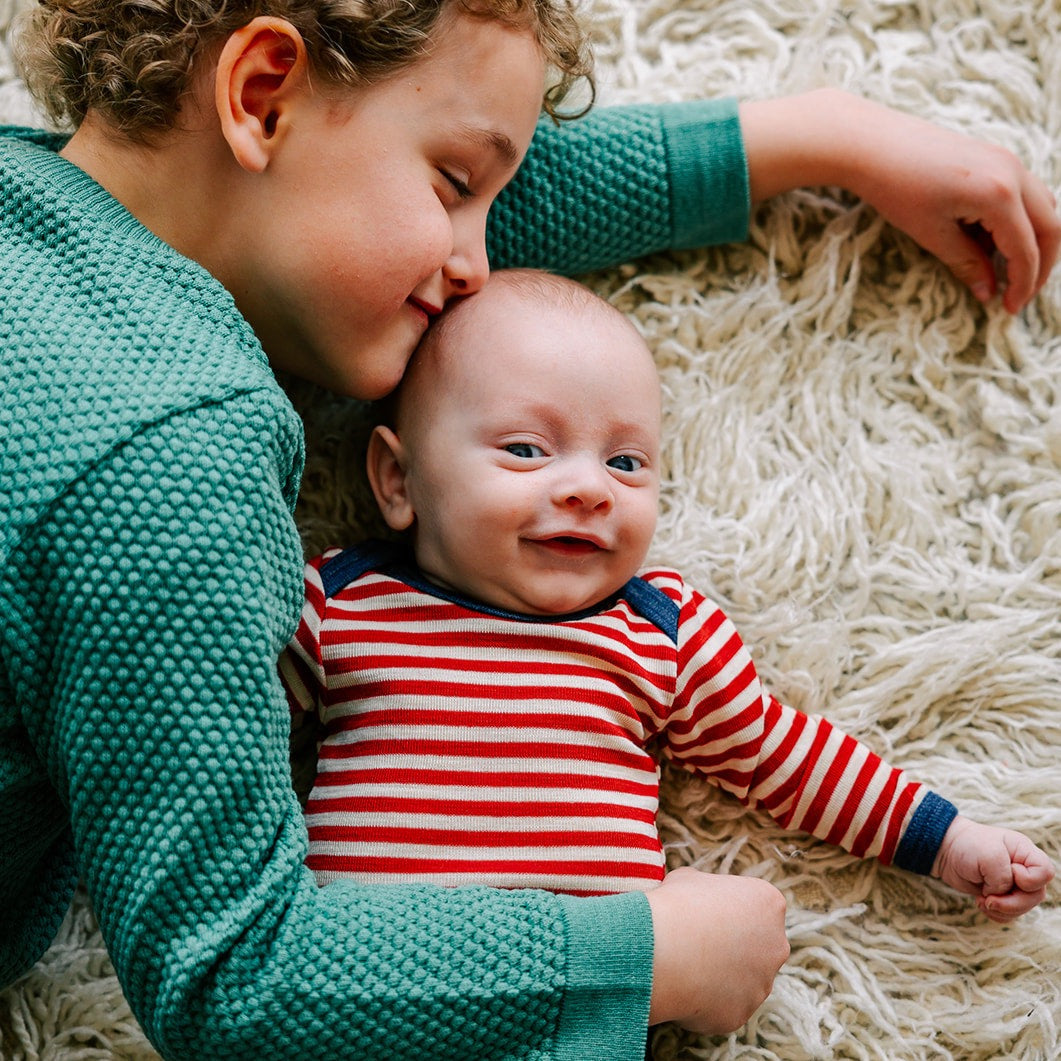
(425, 308)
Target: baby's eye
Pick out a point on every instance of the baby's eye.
(526, 450)
(625, 463)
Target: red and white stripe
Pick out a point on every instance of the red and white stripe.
(466, 748)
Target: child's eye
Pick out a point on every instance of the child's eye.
(526, 450)
(625, 463)
(459, 186)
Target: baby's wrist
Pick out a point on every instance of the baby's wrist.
(954, 830)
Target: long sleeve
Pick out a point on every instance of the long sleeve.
(623, 182)
(150, 574)
(799, 768)
(160, 604)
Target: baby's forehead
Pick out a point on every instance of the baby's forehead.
(512, 310)
(518, 333)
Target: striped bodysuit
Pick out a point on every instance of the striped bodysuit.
(464, 745)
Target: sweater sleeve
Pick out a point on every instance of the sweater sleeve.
(624, 182)
(160, 594)
(799, 768)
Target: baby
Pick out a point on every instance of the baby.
(490, 687)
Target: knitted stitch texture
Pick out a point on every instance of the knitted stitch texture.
(680, 181)
(151, 574)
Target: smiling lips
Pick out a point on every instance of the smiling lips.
(425, 308)
(570, 545)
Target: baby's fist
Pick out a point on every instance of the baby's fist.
(1006, 872)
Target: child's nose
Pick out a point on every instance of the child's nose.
(468, 266)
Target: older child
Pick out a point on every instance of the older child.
(303, 185)
(490, 693)
(243, 192)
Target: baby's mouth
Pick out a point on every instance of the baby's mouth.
(571, 544)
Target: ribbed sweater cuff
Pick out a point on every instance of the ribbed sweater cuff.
(710, 197)
(609, 979)
(921, 842)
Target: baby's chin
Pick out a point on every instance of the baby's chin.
(544, 603)
(537, 594)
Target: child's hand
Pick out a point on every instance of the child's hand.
(1006, 872)
(960, 198)
(719, 942)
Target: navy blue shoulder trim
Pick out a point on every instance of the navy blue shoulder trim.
(647, 600)
(344, 567)
(653, 604)
(921, 842)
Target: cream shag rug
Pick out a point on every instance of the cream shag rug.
(865, 469)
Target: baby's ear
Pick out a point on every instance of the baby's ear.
(386, 473)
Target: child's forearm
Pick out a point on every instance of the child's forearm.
(951, 193)
(791, 142)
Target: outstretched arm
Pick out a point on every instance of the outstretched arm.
(958, 197)
(1006, 872)
(628, 181)
(623, 182)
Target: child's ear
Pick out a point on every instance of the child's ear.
(386, 473)
(261, 67)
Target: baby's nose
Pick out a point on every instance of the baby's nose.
(588, 485)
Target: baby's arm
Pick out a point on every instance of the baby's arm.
(956, 196)
(1006, 872)
(809, 776)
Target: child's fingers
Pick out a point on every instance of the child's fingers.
(1013, 234)
(1027, 233)
(1042, 210)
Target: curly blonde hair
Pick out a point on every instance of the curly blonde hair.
(132, 61)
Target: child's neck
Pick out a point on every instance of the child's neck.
(174, 186)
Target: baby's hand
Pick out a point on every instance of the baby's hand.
(1006, 872)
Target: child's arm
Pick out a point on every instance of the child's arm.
(1006, 872)
(627, 181)
(932, 183)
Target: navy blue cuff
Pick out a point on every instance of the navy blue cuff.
(920, 843)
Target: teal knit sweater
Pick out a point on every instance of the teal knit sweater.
(150, 573)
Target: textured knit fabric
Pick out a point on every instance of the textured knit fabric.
(151, 573)
(683, 182)
(466, 745)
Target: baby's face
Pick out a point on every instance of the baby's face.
(533, 456)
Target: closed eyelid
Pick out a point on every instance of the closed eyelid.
(459, 186)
